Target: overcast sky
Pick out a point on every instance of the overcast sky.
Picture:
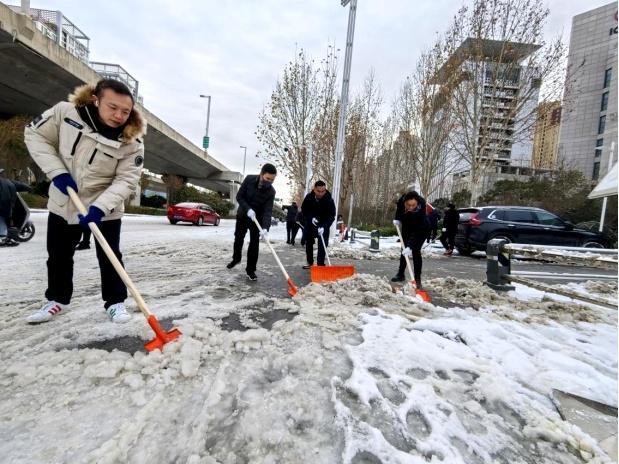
(235, 51)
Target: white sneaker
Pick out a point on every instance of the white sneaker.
(49, 310)
(118, 313)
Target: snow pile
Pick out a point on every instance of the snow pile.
(527, 306)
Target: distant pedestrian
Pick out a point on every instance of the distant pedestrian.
(84, 243)
(450, 229)
(433, 218)
(301, 224)
(255, 199)
(291, 222)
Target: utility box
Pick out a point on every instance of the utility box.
(374, 240)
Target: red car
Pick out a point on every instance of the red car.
(196, 213)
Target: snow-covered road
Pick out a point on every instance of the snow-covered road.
(360, 375)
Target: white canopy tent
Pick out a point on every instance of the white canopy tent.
(607, 186)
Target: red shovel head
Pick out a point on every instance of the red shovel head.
(292, 288)
(161, 336)
(421, 293)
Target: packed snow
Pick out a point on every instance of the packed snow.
(360, 374)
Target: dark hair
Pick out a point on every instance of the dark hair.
(451, 205)
(412, 195)
(268, 168)
(114, 85)
(320, 183)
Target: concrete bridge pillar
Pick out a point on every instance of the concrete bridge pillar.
(234, 189)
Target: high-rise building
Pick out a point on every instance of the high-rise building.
(589, 116)
(487, 80)
(546, 137)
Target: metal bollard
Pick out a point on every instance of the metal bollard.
(374, 240)
(498, 266)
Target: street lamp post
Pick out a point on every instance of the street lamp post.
(339, 144)
(244, 159)
(208, 117)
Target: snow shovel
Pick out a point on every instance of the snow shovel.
(161, 336)
(421, 293)
(330, 273)
(292, 288)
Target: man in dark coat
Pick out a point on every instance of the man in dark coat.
(450, 228)
(411, 217)
(319, 213)
(433, 217)
(291, 223)
(301, 224)
(255, 199)
(8, 197)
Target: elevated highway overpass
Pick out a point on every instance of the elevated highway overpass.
(36, 73)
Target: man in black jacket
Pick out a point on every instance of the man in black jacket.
(411, 217)
(450, 228)
(291, 223)
(319, 213)
(255, 199)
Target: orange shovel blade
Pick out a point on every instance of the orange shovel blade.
(331, 273)
(421, 293)
(161, 336)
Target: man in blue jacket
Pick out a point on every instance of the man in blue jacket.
(319, 213)
(255, 199)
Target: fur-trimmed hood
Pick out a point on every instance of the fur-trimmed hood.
(136, 124)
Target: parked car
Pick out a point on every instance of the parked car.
(196, 213)
(518, 224)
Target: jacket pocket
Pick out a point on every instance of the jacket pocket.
(101, 164)
(56, 196)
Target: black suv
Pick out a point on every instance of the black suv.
(519, 224)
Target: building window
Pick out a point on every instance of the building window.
(602, 125)
(599, 143)
(607, 77)
(596, 170)
(604, 101)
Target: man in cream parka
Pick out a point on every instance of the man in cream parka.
(92, 144)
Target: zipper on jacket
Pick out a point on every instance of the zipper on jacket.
(77, 139)
(92, 157)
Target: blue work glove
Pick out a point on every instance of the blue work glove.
(62, 181)
(94, 215)
(315, 222)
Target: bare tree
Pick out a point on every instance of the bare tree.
(299, 109)
(425, 124)
(494, 61)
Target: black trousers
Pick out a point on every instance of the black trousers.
(448, 239)
(291, 231)
(311, 234)
(61, 241)
(243, 224)
(418, 241)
